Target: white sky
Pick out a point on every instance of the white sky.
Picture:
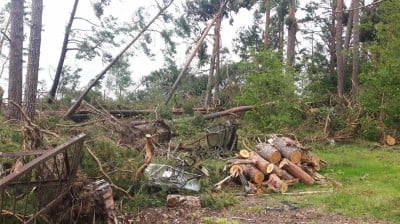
(55, 17)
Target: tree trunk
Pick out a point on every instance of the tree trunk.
(291, 42)
(267, 22)
(75, 106)
(290, 152)
(57, 75)
(349, 30)
(213, 61)
(269, 152)
(262, 164)
(35, 40)
(276, 184)
(339, 49)
(296, 171)
(16, 58)
(356, 48)
(332, 44)
(252, 173)
(191, 56)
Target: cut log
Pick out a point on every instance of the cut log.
(235, 170)
(290, 152)
(262, 164)
(309, 158)
(268, 152)
(296, 171)
(241, 161)
(389, 140)
(276, 184)
(252, 173)
(244, 154)
(283, 174)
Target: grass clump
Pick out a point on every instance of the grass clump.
(218, 200)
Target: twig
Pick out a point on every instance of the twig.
(244, 144)
(105, 174)
(308, 192)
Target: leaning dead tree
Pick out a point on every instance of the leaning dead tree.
(94, 81)
(192, 54)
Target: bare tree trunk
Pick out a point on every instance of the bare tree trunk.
(339, 49)
(356, 48)
(211, 79)
(16, 58)
(332, 44)
(349, 29)
(291, 42)
(94, 81)
(35, 40)
(191, 55)
(267, 22)
(57, 76)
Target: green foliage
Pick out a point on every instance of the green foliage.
(380, 85)
(266, 82)
(369, 129)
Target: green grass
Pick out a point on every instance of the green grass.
(370, 178)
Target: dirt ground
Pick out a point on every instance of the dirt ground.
(251, 209)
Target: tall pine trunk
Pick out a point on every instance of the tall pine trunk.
(33, 58)
(267, 22)
(339, 49)
(64, 49)
(211, 79)
(356, 48)
(291, 42)
(16, 60)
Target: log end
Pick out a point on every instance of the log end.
(235, 170)
(275, 157)
(270, 168)
(295, 157)
(244, 153)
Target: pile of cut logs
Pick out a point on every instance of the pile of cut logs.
(275, 164)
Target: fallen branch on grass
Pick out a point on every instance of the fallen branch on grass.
(106, 175)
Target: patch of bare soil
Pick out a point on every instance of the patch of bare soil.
(248, 210)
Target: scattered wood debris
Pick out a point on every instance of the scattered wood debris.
(274, 165)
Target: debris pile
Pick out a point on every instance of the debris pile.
(274, 165)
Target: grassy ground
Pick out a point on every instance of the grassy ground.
(370, 178)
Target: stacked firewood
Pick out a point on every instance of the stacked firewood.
(274, 165)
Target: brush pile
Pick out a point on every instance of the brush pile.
(274, 165)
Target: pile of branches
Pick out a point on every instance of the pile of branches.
(274, 165)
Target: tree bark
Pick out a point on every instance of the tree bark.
(296, 171)
(268, 152)
(356, 48)
(57, 75)
(290, 152)
(252, 173)
(35, 40)
(211, 75)
(262, 164)
(347, 37)
(16, 58)
(75, 106)
(267, 22)
(276, 184)
(339, 49)
(291, 42)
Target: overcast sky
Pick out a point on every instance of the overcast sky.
(55, 17)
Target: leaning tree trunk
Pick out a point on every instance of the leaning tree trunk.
(339, 49)
(192, 54)
(64, 50)
(347, 37)
(35, 40)
(75, 106)
(356, 48)
(16, 58)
